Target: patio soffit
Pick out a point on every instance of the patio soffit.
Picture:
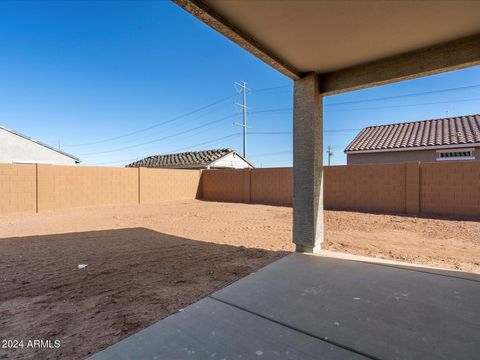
(342, 40)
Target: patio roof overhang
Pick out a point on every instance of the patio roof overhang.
(350, 44)
(330, 47)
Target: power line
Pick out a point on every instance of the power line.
(273, 88)
(271, 133)
(196, 133)
(115, 162)
(341, 130)
(167, 129)
(290, 132)
(406, 105)
(270, 89)
(173, 151)
(273, 92)
(376, 107)
(325, 131)
(405, 95)
(206, 142)
(162, 138)
(280, 110)
(169, 136)
(173, 119)
(387, 97)
(272, 110)
(390, 97)
(196, 128)
(158, 124)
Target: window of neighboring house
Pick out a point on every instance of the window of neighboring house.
(455, 154)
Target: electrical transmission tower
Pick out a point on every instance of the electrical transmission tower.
(329, 154)
(243, 89)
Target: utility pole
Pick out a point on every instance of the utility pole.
(329, 154)
(243, 87)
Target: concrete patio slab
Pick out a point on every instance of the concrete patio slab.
(210, 329)
(387, 312)
(316, 307)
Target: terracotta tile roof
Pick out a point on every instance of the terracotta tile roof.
(437, 132)
(185, 159)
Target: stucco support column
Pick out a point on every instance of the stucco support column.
(307, 165)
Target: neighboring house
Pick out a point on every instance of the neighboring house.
(453, 138)
(18, 148)
(207, 159)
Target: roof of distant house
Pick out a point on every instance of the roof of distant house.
(448, 132)
(185, 159)
(40, 143)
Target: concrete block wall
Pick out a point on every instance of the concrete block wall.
(412, 187)
(443, 188)
(271, 186)
(18, 191)
(226, 185)
(40, 187)
(157, 185)
(262, 186)
(374, 188)
(62, 187)
(450, 188)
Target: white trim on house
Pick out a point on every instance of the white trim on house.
(234, 153)
(414, 148)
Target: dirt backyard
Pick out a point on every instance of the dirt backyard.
(146, 262)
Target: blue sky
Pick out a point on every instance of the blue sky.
(84, 75)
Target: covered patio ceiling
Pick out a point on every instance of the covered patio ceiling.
(329, 47)
(350, 44)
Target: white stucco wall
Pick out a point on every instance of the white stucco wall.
(230, 161)
(17, 149)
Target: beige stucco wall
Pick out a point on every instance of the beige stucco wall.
(398, 157)
(392, 157)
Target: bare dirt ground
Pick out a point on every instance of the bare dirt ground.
(146, 262)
